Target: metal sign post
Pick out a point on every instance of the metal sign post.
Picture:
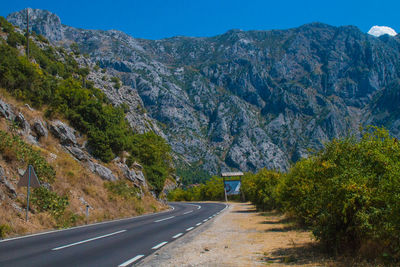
(29, 179)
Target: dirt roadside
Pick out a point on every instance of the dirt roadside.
(242, 237)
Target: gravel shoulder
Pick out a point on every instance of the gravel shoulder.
(240, 236)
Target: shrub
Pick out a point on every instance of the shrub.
(261, 189)
(4, 230)
(212, 189)
(46, 200)
(349, 192)
(121, 188)
(14, 148)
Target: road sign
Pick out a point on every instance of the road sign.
(232, 187)
(29, 179)
(24, 181)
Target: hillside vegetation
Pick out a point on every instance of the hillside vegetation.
(347, 194)
(53, 80)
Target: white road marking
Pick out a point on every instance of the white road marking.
(164, 219)
(198, 224)
(205, 220)
(190, 228)
(88, 240)
(178, 235)
(87, 225)
(130, 261)
(159, 245)
(198, 206)
(188, 212)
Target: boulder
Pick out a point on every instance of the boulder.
(63, 132)
(77, 153)
(8, 185)
(39, 129)
(104, 172)
(22, 122)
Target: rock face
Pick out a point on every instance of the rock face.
(247, 100)
(10, 187)
(43, 21)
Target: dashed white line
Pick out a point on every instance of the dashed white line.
(130, 261)
(198, 224)
(88, 240)
(188, 212)
(159, 245)
(177, 235)
(190, 228)
(205, 220)
(198, 206)
(164, 219)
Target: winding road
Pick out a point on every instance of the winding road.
(115, 243)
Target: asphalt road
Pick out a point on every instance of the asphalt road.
(115, 243)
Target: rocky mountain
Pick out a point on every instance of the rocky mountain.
(247, 100)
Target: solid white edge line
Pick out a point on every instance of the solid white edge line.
(88, 240)
(188, 212)
(130, 261)
(86, 225)
(190, 228)
(159, 245)
(165, 219)
(177, 235)
(198, 224)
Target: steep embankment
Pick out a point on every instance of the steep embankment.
(246, 100)
(99, 161)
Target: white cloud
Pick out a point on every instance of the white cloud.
(381, 30)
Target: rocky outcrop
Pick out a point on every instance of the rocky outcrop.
(246, 100)
(6, 111)
(135, 175)
(104, 172)
(63, 132)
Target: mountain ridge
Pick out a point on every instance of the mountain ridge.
(248, 99)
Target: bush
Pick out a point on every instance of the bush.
(261, 189)
(121, 188)
(4, 230)
(46, 200)
(349, 192)
(14, 148)
(212, 189)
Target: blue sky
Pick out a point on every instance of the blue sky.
(156, 19)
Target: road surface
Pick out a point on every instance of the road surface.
(115, 243)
